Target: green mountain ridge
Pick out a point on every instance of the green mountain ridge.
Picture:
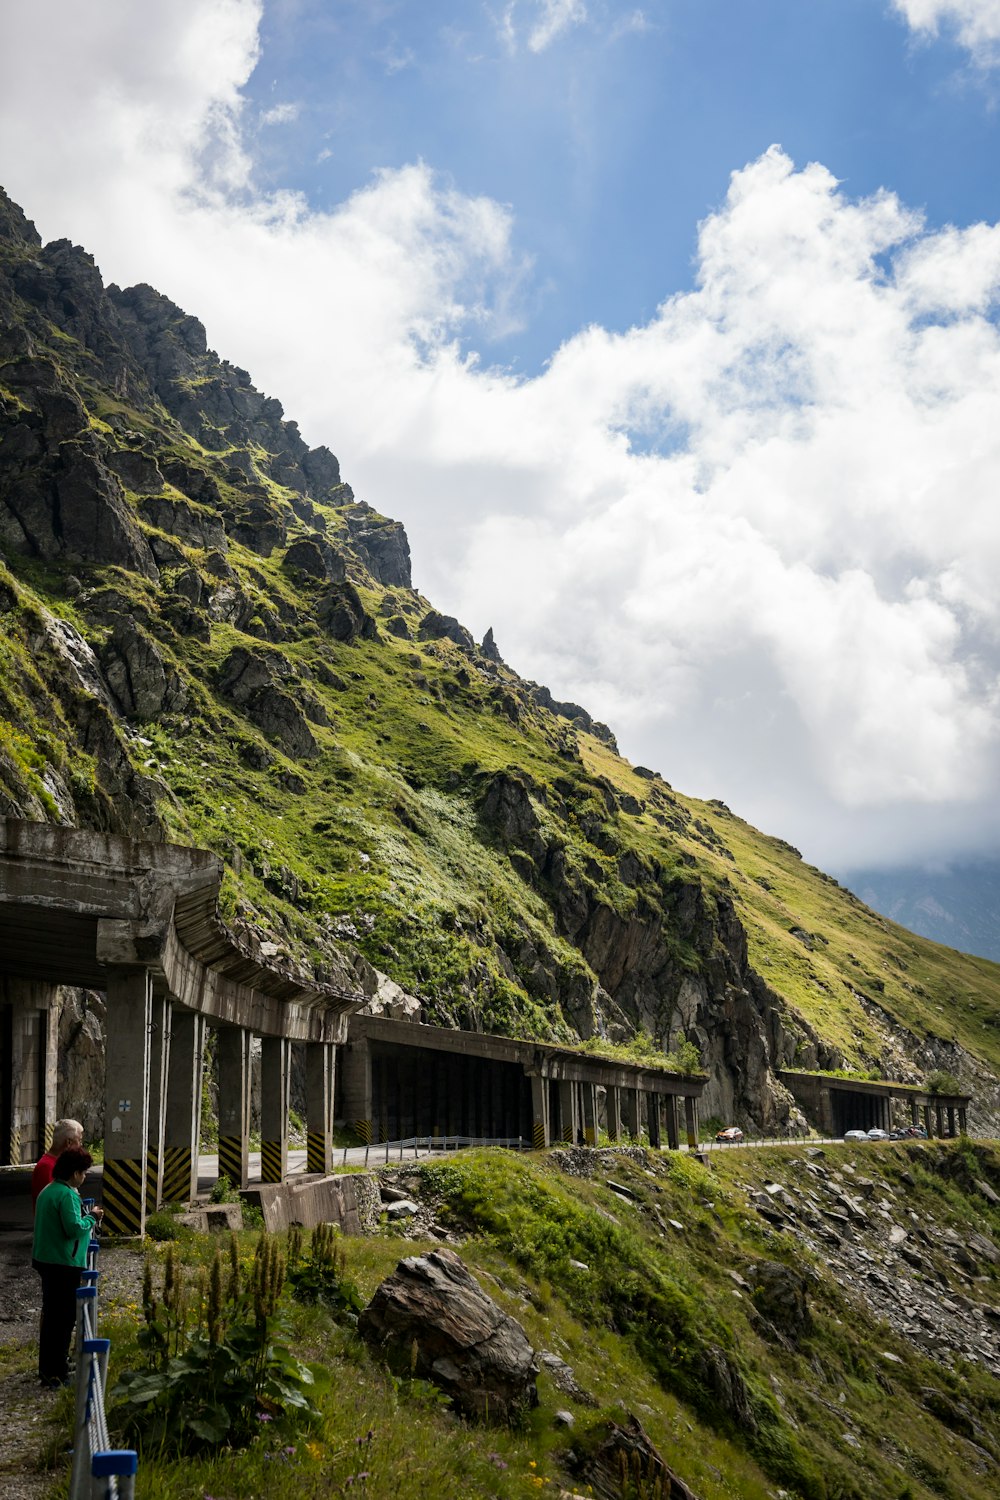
(206, 638)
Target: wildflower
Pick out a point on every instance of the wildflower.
(497, 1461)
(264, 1416)
(315, 1450)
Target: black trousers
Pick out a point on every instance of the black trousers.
(59, 1284)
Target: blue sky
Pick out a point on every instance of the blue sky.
(614, 141)
(669, 330)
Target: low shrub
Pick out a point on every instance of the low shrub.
(218, 1361)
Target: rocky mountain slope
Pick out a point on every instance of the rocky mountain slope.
(205, 637)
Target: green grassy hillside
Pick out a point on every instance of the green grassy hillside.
(749, 1311)
(205, 638)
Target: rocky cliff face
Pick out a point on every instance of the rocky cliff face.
(206, 638)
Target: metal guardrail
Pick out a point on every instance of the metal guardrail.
(431, 1143)
(99, 1471)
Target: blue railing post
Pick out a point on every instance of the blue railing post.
(116, 1463)
(80, 1474)
(91, 1277)
(99, 1472)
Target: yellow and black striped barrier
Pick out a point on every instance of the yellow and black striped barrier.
(270, 1161)
(231, 1159)
(15, 1147)
(177, 1174)
(363, 1131)
(538, 1135)
(122, 1196)
(316, 1153)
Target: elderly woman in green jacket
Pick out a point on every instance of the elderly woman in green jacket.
(59, 1254)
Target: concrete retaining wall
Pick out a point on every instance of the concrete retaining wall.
(350, 1200)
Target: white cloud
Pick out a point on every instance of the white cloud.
(757, 533)
(555, 17)
(634, 23)
(976, 23)
(280, 114)
(543, 22)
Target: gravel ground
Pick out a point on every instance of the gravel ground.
(36, 1424)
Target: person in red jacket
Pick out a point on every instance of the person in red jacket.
(65, 1134)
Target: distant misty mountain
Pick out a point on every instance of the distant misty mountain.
(959, 906)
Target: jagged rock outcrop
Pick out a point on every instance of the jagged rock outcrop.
(314, 556)
(432, 1320)
(342, 615)
(58, 499)
(82, 1049)
(571, 711)
(489, 648)
(620, 1459)
(382, 545)
(435, 627)
(258, 684)
(143, 685)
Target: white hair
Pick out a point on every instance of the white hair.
(65, 1133)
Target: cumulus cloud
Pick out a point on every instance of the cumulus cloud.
(756, 533)
(976, 23)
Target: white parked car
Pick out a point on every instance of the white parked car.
(856, 1135)
(878, 1135)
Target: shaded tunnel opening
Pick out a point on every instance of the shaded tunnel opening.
(418, 1092)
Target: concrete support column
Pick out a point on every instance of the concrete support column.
(951, 1119)
(275, 1078)
(927, 1120)
(631, 1108)
(357, 1076)
(320, 1071)
(914, 1113)
(182, 1125)
(963, 1120)
(691, 1121)
(539, 1111)
(568, 1116)
(670, 1110)
(159, 1065)
(29, 1025)
(653, 1111)
(588, 1099)
(613, 1112)
(939, 1119)
(233, 1058)
(126, 1101)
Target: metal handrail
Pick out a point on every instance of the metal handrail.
(99, 1471)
